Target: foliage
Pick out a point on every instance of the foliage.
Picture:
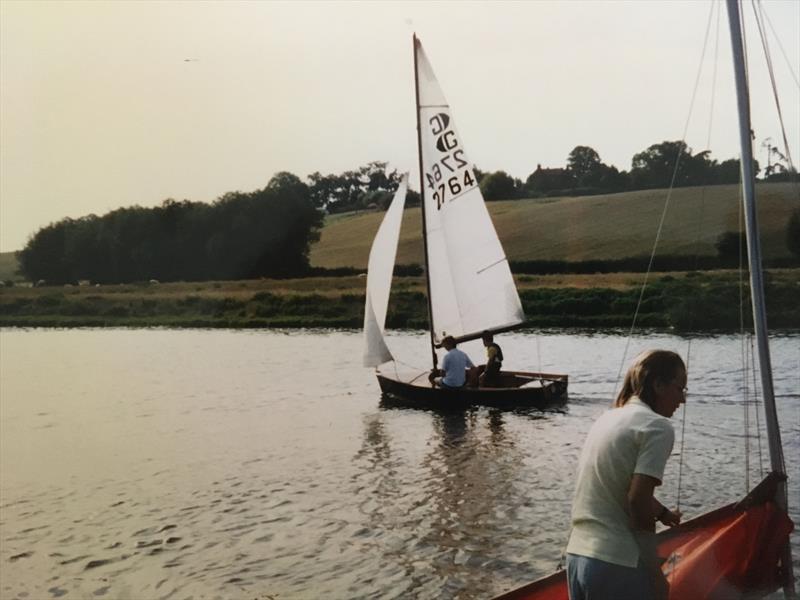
(499, 186)
(673, 163)
(793, 233)
(692, 301)
(263, 233)
(352, 190)
(584, 164)
(731, 245)
(543, 181)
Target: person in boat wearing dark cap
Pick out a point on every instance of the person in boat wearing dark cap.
(455, 365)
(489, 374)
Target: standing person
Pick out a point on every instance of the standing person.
(611, 552)
(489, 374)
(455, 363)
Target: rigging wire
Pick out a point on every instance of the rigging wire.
(758, 12)
(758, 403)
(696, 245)
(666, 204)
(744, 348)
(780, 45)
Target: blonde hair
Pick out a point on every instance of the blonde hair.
(648, 368)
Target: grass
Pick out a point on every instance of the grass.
(688, 301)
(610, 226)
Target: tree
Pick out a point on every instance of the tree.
(348, 190)
(654, 167)
(793, 233)
(728, 171)
(263, 233)
(585, 165)
(731, 245)
(699, 169)
(498, 186)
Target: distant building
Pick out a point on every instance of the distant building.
(548, 180)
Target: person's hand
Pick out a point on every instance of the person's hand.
(670, 518)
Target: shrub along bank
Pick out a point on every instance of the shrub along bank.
(683, 301)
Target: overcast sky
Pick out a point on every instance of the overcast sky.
(109, 104)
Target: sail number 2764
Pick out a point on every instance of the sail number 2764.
(450, 179)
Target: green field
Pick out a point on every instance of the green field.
(611, 226)
(606, 227)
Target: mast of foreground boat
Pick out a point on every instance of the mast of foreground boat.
(756, 277)
(422, 206)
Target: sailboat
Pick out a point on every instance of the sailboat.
(740, 550)
(470, 288)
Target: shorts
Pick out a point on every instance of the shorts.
(595, 579)
(439, 381)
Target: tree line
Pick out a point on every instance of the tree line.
(268, 232)
(265, 233)
(659, 166)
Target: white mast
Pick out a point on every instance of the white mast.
(756, 277)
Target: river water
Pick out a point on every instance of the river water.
(144, 464)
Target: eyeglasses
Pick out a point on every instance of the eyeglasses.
(684, 390)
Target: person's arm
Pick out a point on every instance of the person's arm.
(641, 504)
(664, 515)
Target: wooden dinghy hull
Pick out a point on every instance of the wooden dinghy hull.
(522, 389)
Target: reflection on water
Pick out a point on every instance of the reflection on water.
(217, 464)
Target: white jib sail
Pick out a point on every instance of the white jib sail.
(379, 279)
(471, 284)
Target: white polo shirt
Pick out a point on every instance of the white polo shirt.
(454, 365)
(623, 441)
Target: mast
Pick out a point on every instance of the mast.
(422, 206)
(756, 276)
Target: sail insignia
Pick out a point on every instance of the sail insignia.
(471, 285)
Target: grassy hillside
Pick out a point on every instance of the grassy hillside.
(610, 226)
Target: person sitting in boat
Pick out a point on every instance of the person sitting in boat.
(489, 374)
(612, 548)
(455, 365)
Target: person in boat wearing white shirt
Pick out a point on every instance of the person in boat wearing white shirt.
(455, 363)
(611, 552)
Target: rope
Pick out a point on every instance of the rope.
(768, 58)
(757, 404)
(746, 404)
(743, 349)
(696, 244)
(666, 204)
(780, 45)
(683, 438)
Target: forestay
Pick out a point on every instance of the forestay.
(471, 286)
(379, 279)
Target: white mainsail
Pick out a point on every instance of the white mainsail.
(379, 279)
(471, 286)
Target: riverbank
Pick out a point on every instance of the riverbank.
(689, 301)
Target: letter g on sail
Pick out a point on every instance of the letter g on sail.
(439, 123)
(447, 141)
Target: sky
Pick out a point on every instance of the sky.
(111, 104)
